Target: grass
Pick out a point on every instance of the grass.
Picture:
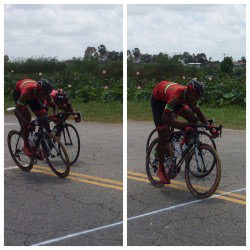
(93, 111)
(101, 112)
(233, 117)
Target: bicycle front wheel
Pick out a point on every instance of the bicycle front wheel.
(203, 171)
(152, 164)
(15, 145)
(70, 138)
(55, 155)
(205, 138)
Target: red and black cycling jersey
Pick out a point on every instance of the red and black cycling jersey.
(27, 90)
(173, 94)
(61, 105)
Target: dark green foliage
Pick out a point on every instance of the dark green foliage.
(83, 79)
(227, 65)
(224, 85)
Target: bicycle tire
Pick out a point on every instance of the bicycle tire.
(153, 181)
(74, 158)
(13, 154)
(193, 188)
(61, 149)
(210, 139)
(149, 138)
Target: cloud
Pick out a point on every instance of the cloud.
(61, 31)
(212, 29)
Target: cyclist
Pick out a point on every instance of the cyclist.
(61, 102)
(169, 100)
(30, 93)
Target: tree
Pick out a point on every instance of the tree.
(90, 52)
(227, 65)
(201, 58)
(6, 58)
(243, 59)
(146, 58)
(176, 58)
(113, 56)
(102, 50)
(187, 58)
(136, 53)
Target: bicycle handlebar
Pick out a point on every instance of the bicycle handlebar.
(207, 127)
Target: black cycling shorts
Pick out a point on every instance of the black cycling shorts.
(158, 110)
(35, 105)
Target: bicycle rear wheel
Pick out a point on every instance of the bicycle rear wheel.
(71, 141)
(153, 132)
(55, 155)
(203, 171)
(15, 145)
(152, 164)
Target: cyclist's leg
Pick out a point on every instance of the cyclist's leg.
(163, 147)
(163, 133)
(40, 111)
(24, 119)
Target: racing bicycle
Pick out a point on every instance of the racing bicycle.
(44, 145)
(202, 163)
(204, 136)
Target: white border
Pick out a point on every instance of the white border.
(2, 121)
(247, 119)
(124, 2)
(125, 173)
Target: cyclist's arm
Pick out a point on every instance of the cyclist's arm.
(52, 104)
(169, 116)
(201, 117)
(169, 119)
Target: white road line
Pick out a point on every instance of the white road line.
(132, 218)
(182, 205)
(79, 233)
(10, 124)
(12, 167)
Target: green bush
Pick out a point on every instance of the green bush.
(83, 80)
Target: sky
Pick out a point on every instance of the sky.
(61, 31)
(215, 30)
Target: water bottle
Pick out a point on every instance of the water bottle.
(177, 149)
(35, 137)
(31, 140)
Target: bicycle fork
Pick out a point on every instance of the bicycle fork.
(201, 167)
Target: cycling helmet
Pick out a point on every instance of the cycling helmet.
(61, 95)
(46, 85)
(197, 86)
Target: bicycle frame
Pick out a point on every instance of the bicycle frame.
(194, 143)
(40, 139)
(62, 126)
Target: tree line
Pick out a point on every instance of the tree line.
(136, 56)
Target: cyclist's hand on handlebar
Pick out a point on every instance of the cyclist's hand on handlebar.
(213, 132)
(77, 118)
(188, 130)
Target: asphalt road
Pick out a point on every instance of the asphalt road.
(171, 216)
(83, 209)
